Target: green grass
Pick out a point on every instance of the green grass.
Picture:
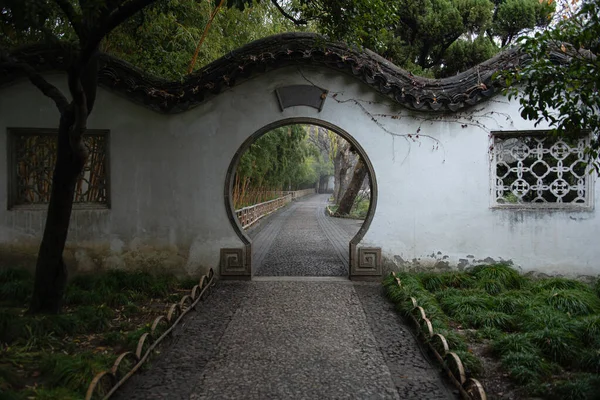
(63, 352)
(540, 330)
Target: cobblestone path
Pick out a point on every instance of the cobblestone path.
(303, 241)
(302, 339)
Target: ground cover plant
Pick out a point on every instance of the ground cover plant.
(359, 209)
(544, 334)
(56, 356)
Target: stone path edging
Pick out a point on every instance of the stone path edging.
(471, 388)
(191, 300)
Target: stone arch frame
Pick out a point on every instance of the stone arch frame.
(237, 227)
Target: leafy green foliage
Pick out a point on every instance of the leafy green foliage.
(564, 94)
(438, 37)
(163, 38)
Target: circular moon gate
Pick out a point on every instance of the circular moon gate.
(352, 247)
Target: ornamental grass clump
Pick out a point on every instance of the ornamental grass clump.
(539, 329)
(512, 301)
(542, 316)
(73, 371)
(580, 386)
(558, 345)
(526, 366)
(460, 305)
(502, 274)
(459, 280)
(588, 329)
(573, 301)
(551, 284)
(15, 286)
(515, 343)
(488, 319)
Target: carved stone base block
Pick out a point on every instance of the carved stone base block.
(367, 263)
(233, 263)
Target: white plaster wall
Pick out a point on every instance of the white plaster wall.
(168, 174)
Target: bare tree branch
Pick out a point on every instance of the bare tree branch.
(74, 18)
(287, 15)
(48, 89)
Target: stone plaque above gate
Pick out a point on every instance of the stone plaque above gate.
(301, 95)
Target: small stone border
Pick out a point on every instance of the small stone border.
(174, 315)
(470, 389)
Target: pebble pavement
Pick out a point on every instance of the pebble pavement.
(292, 339)
(296, 242)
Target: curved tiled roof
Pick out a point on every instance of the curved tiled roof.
(448, 94)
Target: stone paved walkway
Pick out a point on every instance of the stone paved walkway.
(302, 241)
(292, 339)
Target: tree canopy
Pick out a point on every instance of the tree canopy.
(560, 81)
(162, 39)
(429, 37)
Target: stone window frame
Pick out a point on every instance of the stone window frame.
(12, 203)
(590, 179)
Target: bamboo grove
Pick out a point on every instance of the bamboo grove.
(282, 159)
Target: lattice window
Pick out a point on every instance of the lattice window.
(33, 156)
(537, 170)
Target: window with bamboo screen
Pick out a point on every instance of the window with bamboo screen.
(32, 155)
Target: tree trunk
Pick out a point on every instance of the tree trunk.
(347, 201)
(51, 272)
(337, 163)
(349, 162)
(341, 164)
